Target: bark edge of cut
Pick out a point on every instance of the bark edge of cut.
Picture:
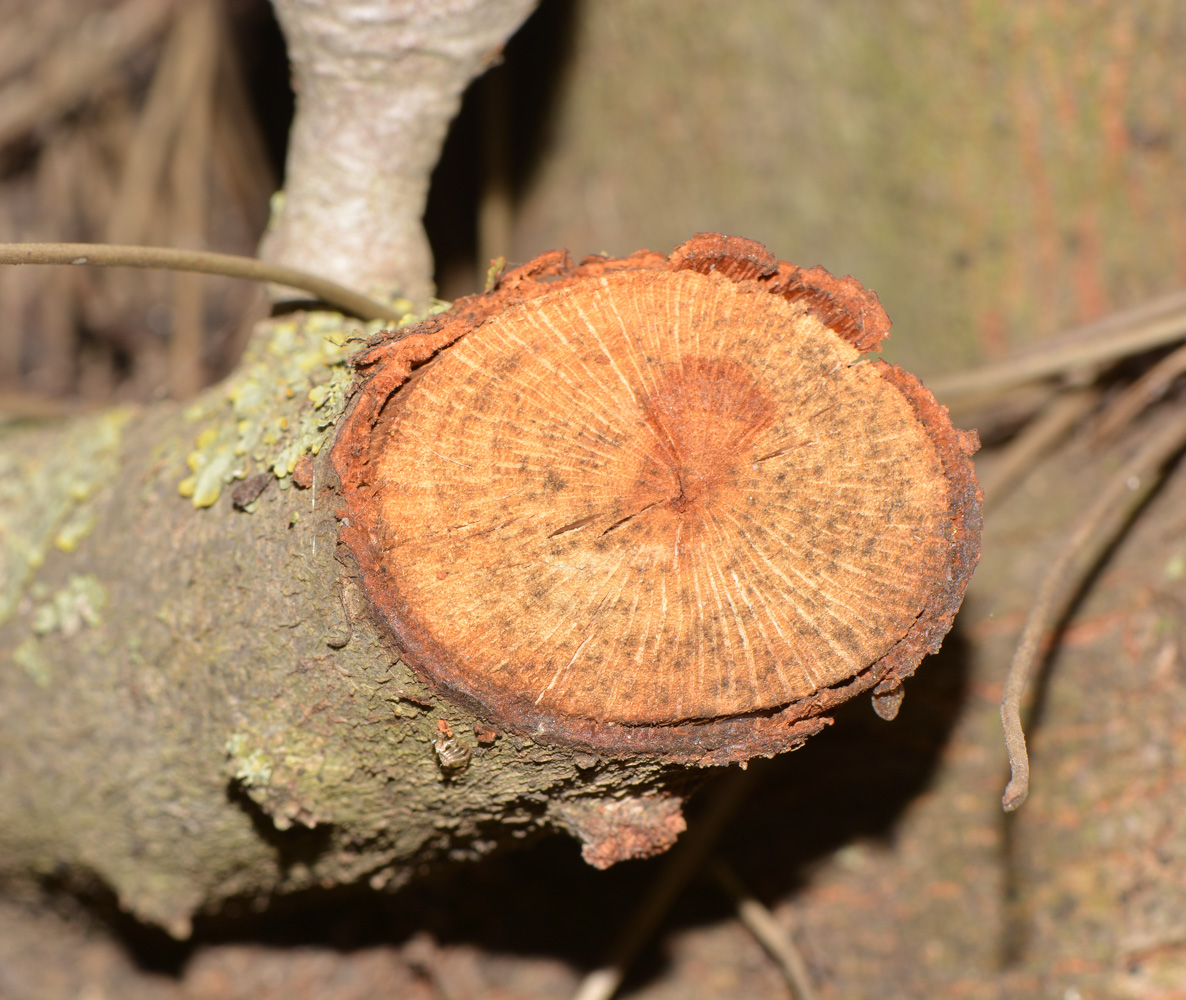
(842, 306)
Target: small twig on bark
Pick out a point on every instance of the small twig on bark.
(1144, 328)
(1100, 525)
(761, 923)
(680, 865)
(202, 262)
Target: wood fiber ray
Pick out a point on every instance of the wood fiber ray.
(657, 504)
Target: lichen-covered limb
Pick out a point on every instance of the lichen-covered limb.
(207, 616)
(377, 85)
(193, 702)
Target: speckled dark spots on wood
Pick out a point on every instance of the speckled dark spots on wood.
(631, 520)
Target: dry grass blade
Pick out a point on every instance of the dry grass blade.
(189, 184)
(1098, 527)
(679, 867)
(495, 205)
(52, 367)
(178, 75)
(761, 923)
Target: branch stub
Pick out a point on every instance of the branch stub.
(657, 505)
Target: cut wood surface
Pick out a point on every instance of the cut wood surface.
(189, 653)
(658, 505)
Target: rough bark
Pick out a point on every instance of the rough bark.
(193, 702)
(377, 85)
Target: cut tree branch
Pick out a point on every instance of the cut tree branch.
(239, 661)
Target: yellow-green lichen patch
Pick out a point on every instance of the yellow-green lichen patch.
(45, 496)
(29, 658)
(283, 400)
(68, 611)
(78, 525)
(250, 767)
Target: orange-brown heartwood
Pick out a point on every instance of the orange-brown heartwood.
(659, 505)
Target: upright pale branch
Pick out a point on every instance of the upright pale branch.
(377, 85)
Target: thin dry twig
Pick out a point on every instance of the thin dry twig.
(1151, 325)
(495, 207)
(1143, 393)
(40, 26)
(680, 865)
(761, 923)
(1096, 529)
(202, 262)
(1035, 440)
(177, 76)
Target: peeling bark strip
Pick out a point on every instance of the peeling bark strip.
(656, 506)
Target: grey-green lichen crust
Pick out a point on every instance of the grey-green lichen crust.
(77, 605)
(64, 476)
(197, 704)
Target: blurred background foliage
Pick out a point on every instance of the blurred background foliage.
(132, 122)
(996, 171)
